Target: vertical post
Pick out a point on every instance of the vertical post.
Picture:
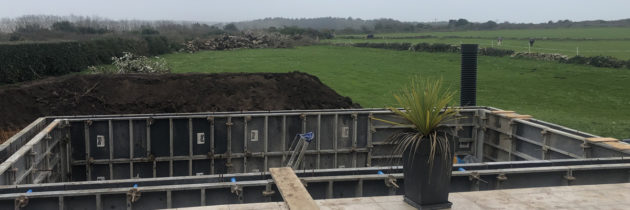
(246, 137)
(354, 139)
(211, 134)
(300, 163)
(111, 149)
(148, 124)
(335, 131)
(229, 145)
(61, 206)
(545, 149)
(203, 197)
(359, 190)
(468, 96)
(99, 203)
(169, 199)
(47, 154)
(577, 51)
(513, 139)
(88, 167)
(369, 140)
(266, 147)
(63, 142)
(284, 138)
(481, 124)
(318, 139)
(329, 190)
(190, 146)
(170, 143)
(131, 149)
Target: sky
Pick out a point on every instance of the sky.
(523, 11)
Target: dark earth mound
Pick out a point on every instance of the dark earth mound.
(168, 93)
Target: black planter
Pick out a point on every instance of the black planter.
(427, 188)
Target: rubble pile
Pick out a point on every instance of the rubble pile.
(249, 40)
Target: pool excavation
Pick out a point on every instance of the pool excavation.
(150, 161)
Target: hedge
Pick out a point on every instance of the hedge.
(29, 61)
(597, 61)
(488, 51)
(437, 47)
(600, 61)
(389, 46)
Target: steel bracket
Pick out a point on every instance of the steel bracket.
(21, 201)
(501, 177)
(268, 193)
(133, 195)
(390, 182)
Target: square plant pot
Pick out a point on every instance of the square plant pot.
(426, 186)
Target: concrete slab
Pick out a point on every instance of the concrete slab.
(609, 196)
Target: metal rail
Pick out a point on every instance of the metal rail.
(188, 191)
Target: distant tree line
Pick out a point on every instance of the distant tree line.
(48, 27)
(384, 25)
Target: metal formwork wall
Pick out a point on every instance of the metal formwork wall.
(87, 148)
(183, 160)
(42, 159)
(165, 146)
(505, 138)
(92, 148)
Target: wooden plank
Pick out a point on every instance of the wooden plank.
(503, 112)
(619, 145)
(292, 190)
(601, 139)
(519, 116)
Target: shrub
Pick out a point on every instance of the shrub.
(389, 46)
(578, 60)
(605, 61)
(495, 52)
(130, 63)
(437, 47)
(599, 61)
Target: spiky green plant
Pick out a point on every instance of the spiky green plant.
(425, 104)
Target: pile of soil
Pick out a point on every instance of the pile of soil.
(20, 104)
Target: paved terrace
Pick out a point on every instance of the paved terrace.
(608, 196)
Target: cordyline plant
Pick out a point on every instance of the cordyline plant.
(425, 106)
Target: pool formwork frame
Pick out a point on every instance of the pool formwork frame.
(79, 150)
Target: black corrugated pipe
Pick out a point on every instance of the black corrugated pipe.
(468, 94)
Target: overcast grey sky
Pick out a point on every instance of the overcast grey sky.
(406, 10)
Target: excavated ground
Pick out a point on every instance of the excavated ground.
(20, 104)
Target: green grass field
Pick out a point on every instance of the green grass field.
(586, 98)
(574, 33)
(615, 48)
(609, 41)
